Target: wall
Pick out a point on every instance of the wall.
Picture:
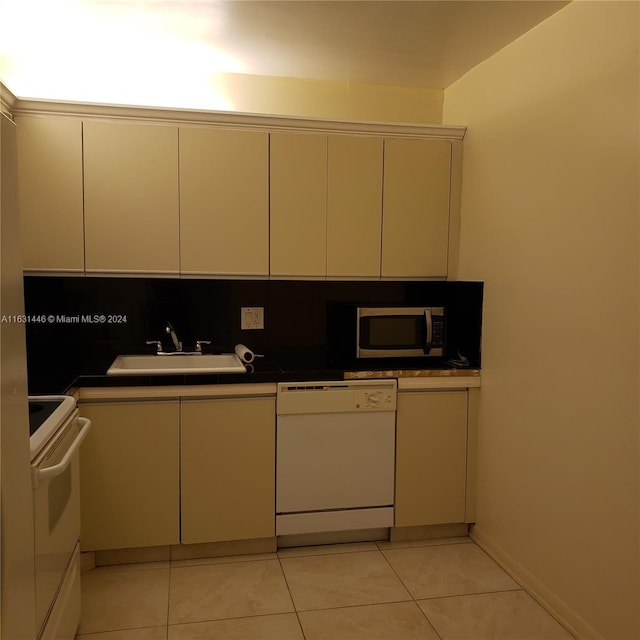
(550, 223)
(294, 97)
(334, 100)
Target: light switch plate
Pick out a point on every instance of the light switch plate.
(252, 317)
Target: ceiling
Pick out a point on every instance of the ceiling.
(82, 49)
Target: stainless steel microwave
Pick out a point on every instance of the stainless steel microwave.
(393, 332)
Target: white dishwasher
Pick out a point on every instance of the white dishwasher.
(335, 455)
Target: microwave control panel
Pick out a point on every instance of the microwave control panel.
(437, 340)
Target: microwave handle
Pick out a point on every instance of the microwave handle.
(429, 324)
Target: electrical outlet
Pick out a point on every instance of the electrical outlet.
(252, 318)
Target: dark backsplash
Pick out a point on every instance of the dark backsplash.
(137, 309)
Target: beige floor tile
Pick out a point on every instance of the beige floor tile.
(342, 580)
(326, 549)
(276, 627)
(214, 592)
(510, 615)
(449, 570)
(119, 598)
(383, 545)
(224, 559)
(148, 633)
(397, 621)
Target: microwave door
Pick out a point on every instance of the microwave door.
(429, 334)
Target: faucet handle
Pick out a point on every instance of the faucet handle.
(157, 343)
(199, 344)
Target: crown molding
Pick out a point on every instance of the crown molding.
(7, 100)
(234, 120)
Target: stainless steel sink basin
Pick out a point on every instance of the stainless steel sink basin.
(146, 365)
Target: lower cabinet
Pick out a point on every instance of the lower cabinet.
(189, 471)
(161, 473)
(431, 458)
(130, 476)
(228, 469)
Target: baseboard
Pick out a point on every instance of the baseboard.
(332, 537)
(134, 555)
(224, 548)
(428, 532)
(564, 614)
(87, 561)
(184, 551)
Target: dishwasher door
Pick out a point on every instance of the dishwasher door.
(335, 456)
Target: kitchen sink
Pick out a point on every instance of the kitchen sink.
(149, 365)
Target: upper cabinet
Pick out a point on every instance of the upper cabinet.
(354, 206)
(341, 207)
(50, 191)
(131, 198)
(211, 200)
(298, 204)
(326, 205)
(224, 202)
(415, 238)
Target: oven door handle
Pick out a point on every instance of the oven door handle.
(41, 475)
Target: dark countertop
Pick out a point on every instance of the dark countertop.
(292, 364)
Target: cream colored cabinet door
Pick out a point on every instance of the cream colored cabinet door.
(50, 190)
(129, 475)
(224, 202)
(415, 222)
(354, 206)
(131, 198)
(228, 469)
(431, 458)
(298, 205)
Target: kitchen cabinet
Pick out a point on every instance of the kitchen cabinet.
(298, 204)
(129, 474)
(431, 458)
(354, 206)
(50, 192)
(416, 192)
(224, 202)
(158, 197)
(339, 210)
(228, 469)
(131, 198)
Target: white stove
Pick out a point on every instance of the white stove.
(56, 433)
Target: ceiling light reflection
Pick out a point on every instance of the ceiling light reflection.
(111, 53)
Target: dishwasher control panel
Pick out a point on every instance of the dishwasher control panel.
(335, 396)
(377, 399)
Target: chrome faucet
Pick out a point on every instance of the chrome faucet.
(177, 344)
(199, 344)
(174, 338)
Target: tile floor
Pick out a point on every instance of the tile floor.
(446, 589)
